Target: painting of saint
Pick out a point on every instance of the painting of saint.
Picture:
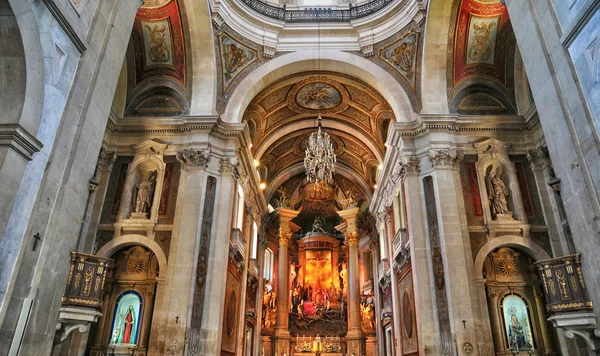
(126, 321)
(518, 326)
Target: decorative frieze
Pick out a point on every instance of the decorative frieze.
(445, 158)
(194, 158)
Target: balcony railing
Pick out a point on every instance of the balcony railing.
(398, 242)
(317, 15)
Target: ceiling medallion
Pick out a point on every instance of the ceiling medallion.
(318, 96)
(319, 159)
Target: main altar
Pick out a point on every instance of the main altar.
(314, 305)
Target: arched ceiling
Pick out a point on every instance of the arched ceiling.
(282, 117)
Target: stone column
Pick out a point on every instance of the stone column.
(282, 333)
(171, 317)
(455, 253)
(355, 337)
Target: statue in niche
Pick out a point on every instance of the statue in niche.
(498, 194)
(144, 193)
(318, 225)
(125, 326)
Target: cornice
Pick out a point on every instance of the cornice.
(20, 140)
(458, 123)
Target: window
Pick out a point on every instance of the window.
(268, 265)
(254, 245)
(239, 221)
(382, 242)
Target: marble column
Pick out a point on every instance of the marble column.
(282, 333)
(540, 305)
(355, 336)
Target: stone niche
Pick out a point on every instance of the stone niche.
(503, 208)
(142, 189)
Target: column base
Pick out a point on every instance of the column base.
(281, 340)
(371, 346)
(356, 342)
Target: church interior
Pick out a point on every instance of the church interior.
(300, 177)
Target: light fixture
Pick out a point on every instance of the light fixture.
(319, 158)
(263, 185)
(256, 163)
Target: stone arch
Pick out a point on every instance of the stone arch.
(518, 242)
(326, 60)
(29, 58)
(120, 242)
(297, 168)
(204, 70)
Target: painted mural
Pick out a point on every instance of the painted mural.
(408, 313)
(481, 41)
(126, 320)
(318, 96)
(158, 43)
(235, 57)
(402, 56)
(517, 323)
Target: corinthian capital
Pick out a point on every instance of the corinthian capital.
(445, 158)
(352, 238)
(229, 165)
(194, 158)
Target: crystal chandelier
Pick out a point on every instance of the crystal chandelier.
(319, 159)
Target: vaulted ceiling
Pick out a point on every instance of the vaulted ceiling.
(282, 117)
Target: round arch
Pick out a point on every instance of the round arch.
(297, 168)
(518, 242)
(326, 60)
(120, 242)
(33, 98)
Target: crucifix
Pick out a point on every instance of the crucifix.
(37, 238)
(318, 261)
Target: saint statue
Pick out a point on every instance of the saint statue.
(144, 194)
(283, 198)
(499, 194)
(129, 323)
(516, 335)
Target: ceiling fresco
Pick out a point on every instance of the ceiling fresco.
(157, 61)
(282, 117)
(481, 47)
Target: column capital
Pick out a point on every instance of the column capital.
(352, 238)
(538, 158)
(413, 166)
(447, 158)
(229, 166)
(191, 158)
(285, 238)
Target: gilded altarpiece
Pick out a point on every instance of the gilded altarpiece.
(128, 305)
(516, 304)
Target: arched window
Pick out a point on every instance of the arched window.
(268, 265)
(517, 323)
(126, 319)
(239, 219)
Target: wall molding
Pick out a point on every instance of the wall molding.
(78, 42)
(584, 16)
